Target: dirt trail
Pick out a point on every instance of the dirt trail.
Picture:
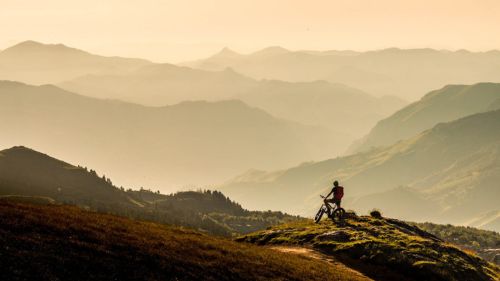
(320, 256)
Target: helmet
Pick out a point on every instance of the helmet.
(336, 183)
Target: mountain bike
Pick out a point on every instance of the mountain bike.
(336, 214)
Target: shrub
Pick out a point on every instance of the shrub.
(376, 214)
(350, 214)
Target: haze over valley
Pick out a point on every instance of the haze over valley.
(190, 143)
(169, 127)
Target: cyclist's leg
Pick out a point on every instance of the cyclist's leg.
(337, 203)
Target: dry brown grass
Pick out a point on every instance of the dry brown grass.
(67, 243)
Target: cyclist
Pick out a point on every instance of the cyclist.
(338, 193)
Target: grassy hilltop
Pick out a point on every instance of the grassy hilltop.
(383, 249)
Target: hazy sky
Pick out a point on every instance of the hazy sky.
(186, 29)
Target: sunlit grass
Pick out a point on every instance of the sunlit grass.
(398, 247)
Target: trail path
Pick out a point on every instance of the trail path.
(320, 256)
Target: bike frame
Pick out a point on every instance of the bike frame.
(332, 208)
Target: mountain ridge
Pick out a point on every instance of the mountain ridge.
(406, 73)
(310, 103)
(38, 63)
(443, 105)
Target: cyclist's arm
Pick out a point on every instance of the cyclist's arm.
(329, 194)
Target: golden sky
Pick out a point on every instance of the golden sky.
(173, 31)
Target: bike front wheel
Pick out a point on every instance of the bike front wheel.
(319, 215)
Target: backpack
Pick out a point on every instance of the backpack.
(338, 192)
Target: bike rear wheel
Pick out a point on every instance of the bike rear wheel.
(319, 215)
(338, 215)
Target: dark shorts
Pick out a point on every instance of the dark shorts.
(337, 202)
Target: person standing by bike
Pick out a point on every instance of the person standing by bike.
(338, 193)
(335, 213)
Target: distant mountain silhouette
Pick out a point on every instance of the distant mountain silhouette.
(270, 51)
(448, 174)
(342, 109)
(406, 73)
(227, 53)
(37, 63)
(162, 84)
(147, 83)
(156, 147)
(443, 105)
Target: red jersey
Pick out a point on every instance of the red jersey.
(338, 192)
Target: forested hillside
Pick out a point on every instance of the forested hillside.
(27, 175)
(485, 243)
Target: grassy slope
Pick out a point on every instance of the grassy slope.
(484, 242)
(443, 105)
(384, 249)
(67, 243)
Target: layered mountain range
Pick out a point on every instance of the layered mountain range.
(342, 109)
(315, 103)
(166, 126)
(406, 73)
(156, 147)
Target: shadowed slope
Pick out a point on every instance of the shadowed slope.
(67, 243)
(30, 176)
